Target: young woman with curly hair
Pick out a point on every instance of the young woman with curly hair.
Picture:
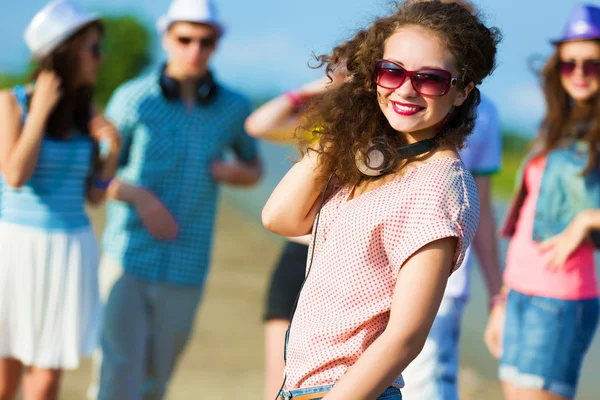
(401, 208)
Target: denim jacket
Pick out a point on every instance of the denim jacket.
(564, 192)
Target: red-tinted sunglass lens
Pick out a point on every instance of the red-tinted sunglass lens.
(389, 76)
(566, 67)
(591, 68)
(431, 83)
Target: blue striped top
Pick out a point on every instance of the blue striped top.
(54, 197)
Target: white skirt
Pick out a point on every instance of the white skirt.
(50, 311)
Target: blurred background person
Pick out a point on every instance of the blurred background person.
(278, 120)
(434, 373)
(49, 301)
(543, 330)
(177, 122)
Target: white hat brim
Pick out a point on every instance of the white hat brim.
(166, 21)
(50, 46)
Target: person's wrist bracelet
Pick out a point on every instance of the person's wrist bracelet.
(295, 98)
(499, 298)
(101, 183)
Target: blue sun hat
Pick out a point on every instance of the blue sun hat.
(583, 24)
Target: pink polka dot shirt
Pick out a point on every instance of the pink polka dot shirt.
(360, 246)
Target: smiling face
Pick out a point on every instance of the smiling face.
(579, 69)
(407, 111)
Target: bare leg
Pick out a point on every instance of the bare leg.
(10, 375)
(41, 384)
(274, 364)
(537, 394)
(511, 392)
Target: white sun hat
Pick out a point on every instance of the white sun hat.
(198, 11)
(53, 24)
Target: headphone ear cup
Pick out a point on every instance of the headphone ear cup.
(169, 86)
(206, 91)
(376, 161)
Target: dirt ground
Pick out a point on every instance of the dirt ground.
(224, 357)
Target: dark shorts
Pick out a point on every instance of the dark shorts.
(286, 281)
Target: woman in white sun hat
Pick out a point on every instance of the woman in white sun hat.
(50, 165)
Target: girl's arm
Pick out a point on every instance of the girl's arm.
(275, 121)
(278, 119)
(418, 294)
(561, 246)
(20, 144)
(293, 205)
(101, 130)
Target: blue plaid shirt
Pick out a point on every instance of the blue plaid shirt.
(168, 149)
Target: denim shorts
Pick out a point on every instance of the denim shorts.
(390, 393)
(545, 341)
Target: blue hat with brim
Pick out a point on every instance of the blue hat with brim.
(583, 24)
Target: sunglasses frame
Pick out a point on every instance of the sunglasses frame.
(572, 66)
(206, 42)
(451, 81)
(96, 50)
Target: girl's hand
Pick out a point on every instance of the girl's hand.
(103, 130)
(494, 330)
(47, 92)
(561, 246)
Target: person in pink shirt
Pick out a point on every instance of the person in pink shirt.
(391, 207)
(542, 331)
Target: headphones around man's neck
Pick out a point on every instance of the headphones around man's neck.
(206, 87)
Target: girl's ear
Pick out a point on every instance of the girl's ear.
(462, 94)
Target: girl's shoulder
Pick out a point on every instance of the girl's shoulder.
(440, 171)
(442, 183)
(10, 106)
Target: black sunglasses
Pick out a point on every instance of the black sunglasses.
(96, 50)
(203, 42)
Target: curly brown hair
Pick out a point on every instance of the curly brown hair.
(563, 119)
(349, 116)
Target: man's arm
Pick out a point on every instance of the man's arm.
(239, 173)
(485, 242)
(153, 213)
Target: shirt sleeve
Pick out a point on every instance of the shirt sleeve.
(121, 112)
(244, 146)
(435, 210)
(486, 141)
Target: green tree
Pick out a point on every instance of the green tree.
(127, 48)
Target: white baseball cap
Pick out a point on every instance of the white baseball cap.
(197, 11)
(53, 24)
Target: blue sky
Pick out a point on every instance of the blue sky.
(269, 42)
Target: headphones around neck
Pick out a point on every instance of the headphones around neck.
(205, 91)
(379, 159)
